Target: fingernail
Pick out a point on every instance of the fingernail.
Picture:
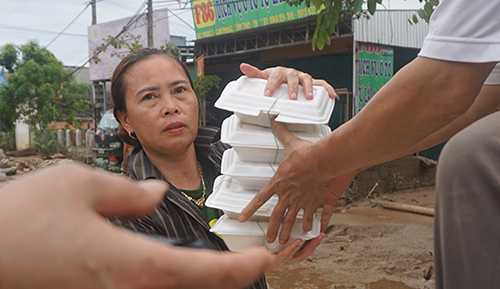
(293, 95)
(273, 123)
(299, 245)
(310, 93)
(267, 92)
(154, 186)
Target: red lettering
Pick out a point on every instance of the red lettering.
(211, 12)
(377, 48)
(197, 13)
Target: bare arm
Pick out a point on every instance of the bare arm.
(54, 235)
(486, 103)
(421, 99)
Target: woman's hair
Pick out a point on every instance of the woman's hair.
(119, 84)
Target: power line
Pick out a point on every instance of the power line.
(26, 29)
(86, 6)
(118, 5)
(132, 20)
(183, 21)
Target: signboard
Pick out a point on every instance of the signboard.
(375, 68)
(112, 57)
(217, 17)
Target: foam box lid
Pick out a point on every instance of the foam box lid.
(227, 195)
(232, 166)
(236, 133)
(246, 96)
(226, 226)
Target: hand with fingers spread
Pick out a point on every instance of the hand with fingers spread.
(55, 235)
(277, 75)
(296, 186)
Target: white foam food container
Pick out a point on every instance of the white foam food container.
(227, 195)
(255, 143)
(245, 97)
(249, 175)
(239, 236)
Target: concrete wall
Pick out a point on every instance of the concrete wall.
(410, 172)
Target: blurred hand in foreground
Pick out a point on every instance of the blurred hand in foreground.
(55, 235)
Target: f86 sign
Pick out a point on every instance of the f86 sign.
(203, 13)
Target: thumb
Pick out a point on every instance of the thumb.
(282, 132)
(116, 196)
(252, 71)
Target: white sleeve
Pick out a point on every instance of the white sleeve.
(494, 77)
(464, 31)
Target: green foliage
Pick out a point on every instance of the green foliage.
(333, 11)
(203, 84)
(46, 142)
(40, 90)
(132, 43)
(172, 48)
(425, 12)
(7, 141)
(8, 57)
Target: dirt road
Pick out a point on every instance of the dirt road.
(369, 247)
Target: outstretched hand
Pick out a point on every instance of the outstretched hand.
(296, 185)
(55, 235)
(277, 75)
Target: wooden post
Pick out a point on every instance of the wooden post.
(407, 208)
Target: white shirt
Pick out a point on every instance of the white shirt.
(465, 31)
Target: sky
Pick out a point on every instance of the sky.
(24, 20)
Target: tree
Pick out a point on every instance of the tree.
(203, 84)
(38, 90)
(333, 11)
(8, 57)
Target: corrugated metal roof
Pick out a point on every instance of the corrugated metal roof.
(391, 27)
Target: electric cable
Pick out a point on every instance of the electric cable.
(86, 6)
(26, 29)
(132, 20)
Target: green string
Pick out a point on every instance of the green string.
(264, 232)
(219, 184)
(275, 138)
(274, 171)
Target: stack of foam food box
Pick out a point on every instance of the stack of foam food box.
(256, 154)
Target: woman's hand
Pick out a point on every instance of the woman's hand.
(277, 75)
(296, 252)
(55, 235)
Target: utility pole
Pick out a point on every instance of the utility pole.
(94, 14)
(150, 23)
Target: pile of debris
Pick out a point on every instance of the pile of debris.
(12, 165)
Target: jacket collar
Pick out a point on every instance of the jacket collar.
(141, 168)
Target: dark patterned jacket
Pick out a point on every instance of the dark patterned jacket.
(176, 217)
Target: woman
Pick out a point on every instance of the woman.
(158, 111)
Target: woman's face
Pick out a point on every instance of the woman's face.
(162, 109)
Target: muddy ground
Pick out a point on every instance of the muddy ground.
(369, 247)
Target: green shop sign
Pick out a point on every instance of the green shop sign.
(375, 68)
(218, 17)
